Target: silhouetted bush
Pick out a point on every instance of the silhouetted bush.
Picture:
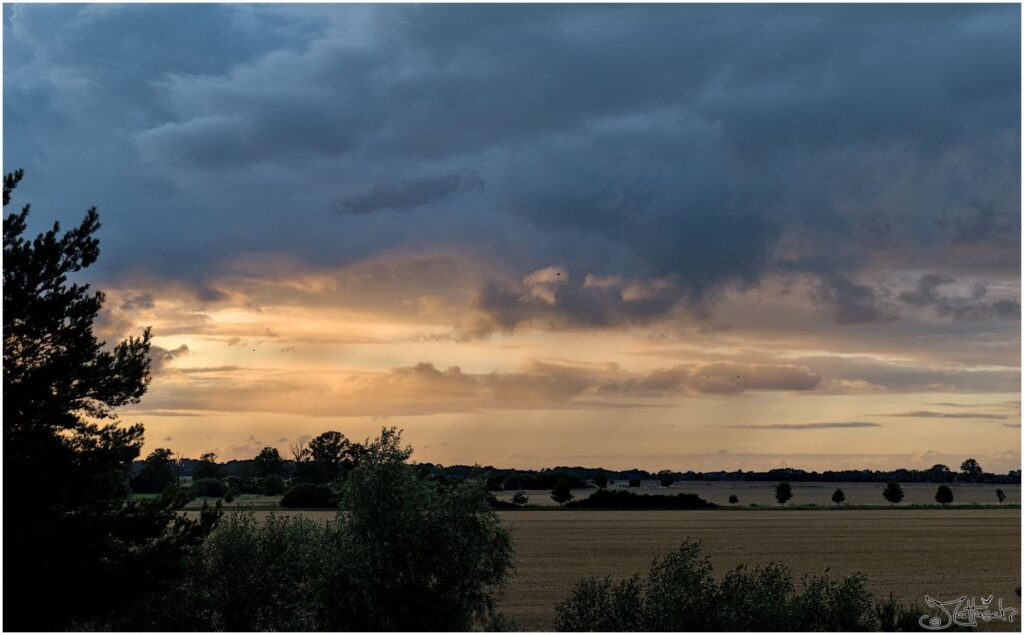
(680, 593)
(208, 487)
(243, 485)
(272, 485)
(622, 499)
(309, 495)
(310, 472)
(495, 503)
(634, 482)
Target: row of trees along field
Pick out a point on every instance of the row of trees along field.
(412, 550)
(892, 492)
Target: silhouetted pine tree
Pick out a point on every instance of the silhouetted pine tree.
(76, 551)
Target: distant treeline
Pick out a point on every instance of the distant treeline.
(580, 477)
(583, 477)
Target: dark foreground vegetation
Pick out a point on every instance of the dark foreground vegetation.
(681, 593)
(623, 499)
(406, 553)
(412, 548)
(74, 546)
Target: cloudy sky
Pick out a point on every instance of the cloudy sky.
(688, 237)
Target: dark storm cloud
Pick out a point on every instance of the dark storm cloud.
(975, 306)
(682, 149)
(412, 193)
(853, 303)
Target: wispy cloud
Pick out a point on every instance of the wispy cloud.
(931, 414)
(807, 426)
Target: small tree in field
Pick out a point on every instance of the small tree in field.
(562, 492)
(893, 492)
(600, 480)
(1001, 495)
(838, 497)
(783, 492)
(733, 499)
(520, 498)
(944, 495)
(665, 478)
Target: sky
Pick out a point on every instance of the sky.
(658, 236)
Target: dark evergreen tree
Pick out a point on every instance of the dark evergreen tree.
(76, 550)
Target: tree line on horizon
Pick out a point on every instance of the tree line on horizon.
(512, 479)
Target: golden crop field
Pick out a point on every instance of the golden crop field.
(944, 553)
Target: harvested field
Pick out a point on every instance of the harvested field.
(942, 553)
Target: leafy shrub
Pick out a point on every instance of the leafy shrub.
(622, 499)
(272, 485)
(309, 495)
(252, 575)
(208, 487)
(600, 605)
(680, 593)
(895, 616)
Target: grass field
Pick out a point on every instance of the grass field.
(944, 553)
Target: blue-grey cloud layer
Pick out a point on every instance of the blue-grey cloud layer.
(702, 145)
